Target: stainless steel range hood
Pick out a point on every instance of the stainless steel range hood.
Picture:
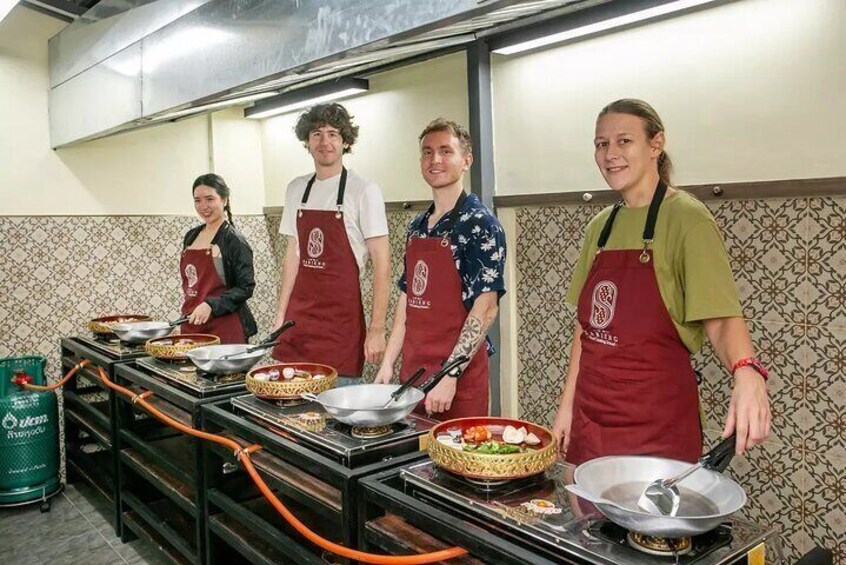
(132, 63)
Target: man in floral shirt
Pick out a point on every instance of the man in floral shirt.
(455, 258)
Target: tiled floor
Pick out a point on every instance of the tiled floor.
(75, 530)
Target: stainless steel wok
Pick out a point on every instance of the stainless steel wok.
(234, 358)
(208, 358)
(140, 332)
(368, 405)
(363, 405)
(707, 497)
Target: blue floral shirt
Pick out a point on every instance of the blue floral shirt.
(478, 247)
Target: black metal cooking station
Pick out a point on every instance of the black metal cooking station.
(89, 414)
(162, 489)
(421, 508)
(312, 462)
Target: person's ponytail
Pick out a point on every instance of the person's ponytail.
(229, 213)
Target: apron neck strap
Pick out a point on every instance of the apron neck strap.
(342, 186)
(651, 219)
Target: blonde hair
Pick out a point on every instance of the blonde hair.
(454, 128)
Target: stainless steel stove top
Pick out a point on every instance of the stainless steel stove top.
(113, 348)
(541, 510)
(186, 376)
(309, 423)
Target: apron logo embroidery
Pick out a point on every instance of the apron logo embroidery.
(421, 278)
(191, 275)
(315, 243)
(603, 303)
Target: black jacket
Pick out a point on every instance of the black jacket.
(238, 268)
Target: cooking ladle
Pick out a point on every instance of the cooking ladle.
(590, 497)
(661, 497)
(267, 343)
(404, 387)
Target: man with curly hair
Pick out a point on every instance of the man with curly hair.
(334, 220)
(453, 278)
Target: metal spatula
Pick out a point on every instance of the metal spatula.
(266, 344)
(661, 496)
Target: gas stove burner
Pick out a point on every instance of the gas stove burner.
(288, 402)
(187, 376)
(370, 432)
(487, 484)
(215, 377)
(663, 547)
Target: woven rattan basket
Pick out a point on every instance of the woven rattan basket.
(492, 467)
(165, 348)
(104, 325)
(287, 389)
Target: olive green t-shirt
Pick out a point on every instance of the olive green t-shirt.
(691, 265)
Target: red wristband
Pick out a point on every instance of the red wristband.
(751, 362)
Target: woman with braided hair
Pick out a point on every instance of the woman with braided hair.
(217, 268)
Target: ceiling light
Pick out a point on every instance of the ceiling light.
(308, 96)
(6, 7)
(634, 17)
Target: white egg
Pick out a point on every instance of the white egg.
(289, 372)
(512, 435)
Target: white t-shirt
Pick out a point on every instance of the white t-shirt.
(364, 209)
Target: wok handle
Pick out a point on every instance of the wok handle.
(309, 396)
(279, 331)
(404, 386)
(267, 343)
(719, 458)
(179, 321)
(448, 368)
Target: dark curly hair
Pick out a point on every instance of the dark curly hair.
(457, 130)
(333, 115)
(220, 187)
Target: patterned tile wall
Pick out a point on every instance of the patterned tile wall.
(59, 272)
(789, 261)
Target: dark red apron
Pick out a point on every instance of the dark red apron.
(636, 392)
(435, 315)
(326, 299)
(199, 282)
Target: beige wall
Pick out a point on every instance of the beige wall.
(391, 115)
(148, 171)
(238, 159)
(750, 90)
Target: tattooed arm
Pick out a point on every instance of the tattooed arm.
(472, 336)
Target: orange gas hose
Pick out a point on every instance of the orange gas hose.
(56, 385)
(242, 455)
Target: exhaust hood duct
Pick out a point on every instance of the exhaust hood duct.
(131, 63)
